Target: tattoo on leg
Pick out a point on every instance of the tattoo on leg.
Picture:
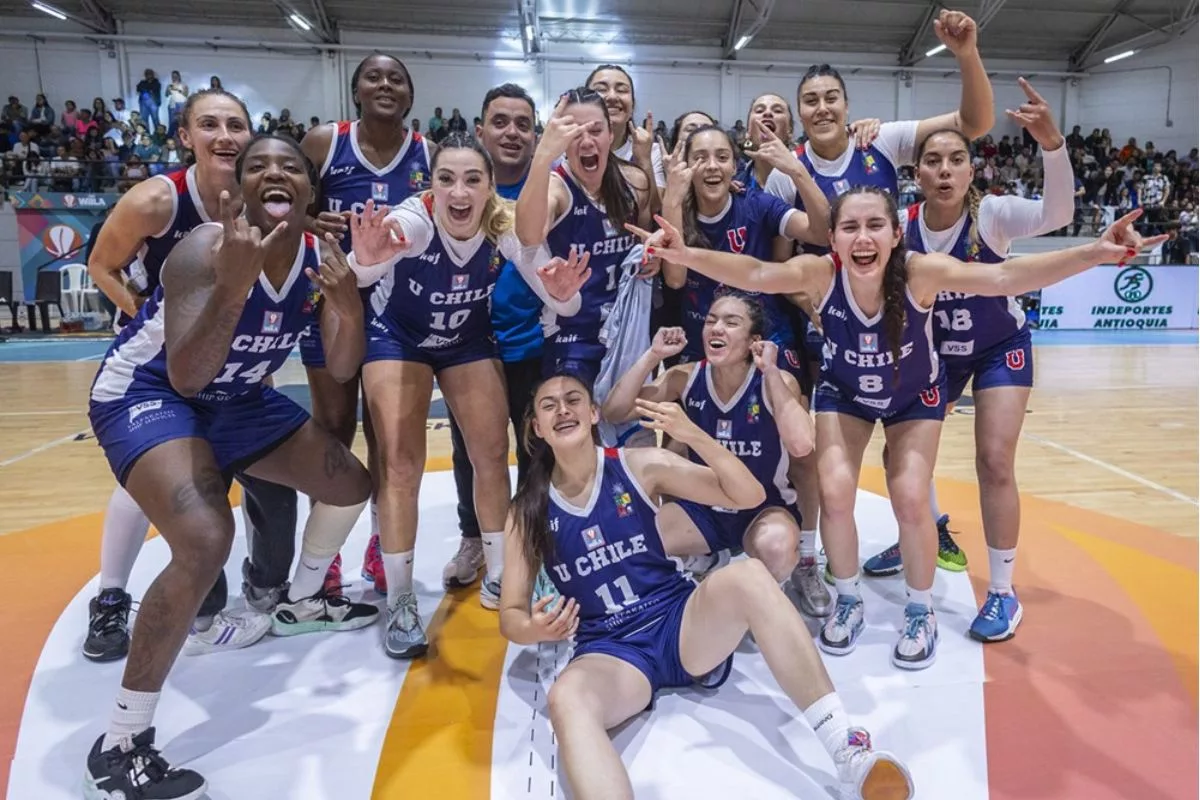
(337, 459)
(207, 488)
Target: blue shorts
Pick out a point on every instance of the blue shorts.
(725, 530)
(586, 369)
(384, 344)
(312, 352)
(928, 404)
(1009, 363)
(652, 645)
(238, 429)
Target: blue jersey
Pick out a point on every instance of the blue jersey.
(516, 309)
(348, 180)
(868, 167)
(430, 301)
(966, 324)
(857, 357)
(585, 227)
(748, 226)
(745, 425)
(269, 327)
(608, 556)
(187, 212)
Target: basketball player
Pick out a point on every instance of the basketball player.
(738, 395)
(590, 516)
(507, 133)
(837, 166)
(881, 364)
(629, 142)
(685, 125)
(231, 306)
(125, 264)
(375, 157)
(437, 258)
(984, 340)
(581, 206)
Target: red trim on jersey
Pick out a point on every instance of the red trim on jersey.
(914, 212)
(612, 452)
(427, 201)
(837, 262)
(343, 128)
(417, 138)
(799, 150)
(310, 241)
(178, 178)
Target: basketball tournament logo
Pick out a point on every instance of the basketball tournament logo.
(593, 539)
(459, 283)
(753, 409)
(623, 500)
(272, 321)
(724, 429)
(379, 191)
(868, 343)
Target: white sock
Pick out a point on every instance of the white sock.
(309, 576)
(933, 503)
(493, 554)
(1001, 563)
(828, 719)
(808, 544)
(125, 529)
(132, 713)
(374, 518)
(398, 569)
(848, 586)
(922, 597)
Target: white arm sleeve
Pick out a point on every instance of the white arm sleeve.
(527, 260)
(898, 142)
(660, 172)
(781, 186)
(1005, 218)
(418, 232)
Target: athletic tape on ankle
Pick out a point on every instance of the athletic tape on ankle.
(328, 527)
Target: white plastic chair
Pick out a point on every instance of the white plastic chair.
(75, 288)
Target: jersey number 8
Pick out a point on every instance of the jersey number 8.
(870, 384)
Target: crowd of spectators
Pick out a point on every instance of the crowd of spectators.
(109, 147)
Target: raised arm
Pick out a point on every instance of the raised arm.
(145, 211)
(316, 145)
(543, 200)
(783, 393)
(976, 113)
(679, 184)
(812, 224)
(934, 272)
(802, 274)
(620, 406)
(723, 480)
(342, 328)
(205, 283)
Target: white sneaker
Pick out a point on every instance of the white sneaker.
(489, 593)
(700, 566)
(464, 568)
(869, 774)
(321, 612)
(230, 630)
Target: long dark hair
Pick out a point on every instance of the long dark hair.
(755, 313)
(623, 71)
(412, 90)
(895, 273)
(619, 201)
(678, 126)
(692, 235)
(974, 196)
(529, 508)
(822, 71)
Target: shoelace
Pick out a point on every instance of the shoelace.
(945, 541)
(406, 617)
(143, 759)
(845, 607)
(891, 552)
(112, 619)
(992, 607)
(914, 623)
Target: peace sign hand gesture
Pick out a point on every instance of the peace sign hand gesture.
(1037, 118)
(666, 242)
(1120, 242)
(336, 279)
(679, 174)
(772, 150)
(563, 279)
(242, 249)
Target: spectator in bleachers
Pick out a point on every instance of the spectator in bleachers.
(1075, 139)
(149, 92)
(119, 111)
(133, 173)
(84, 123)
(41, 118)
(437, 126)
(456, 123)
(36, 171)
(1129, 152)
(98, 108)
(177, 95)
(267, 124)
(215, 83)
(14, 113)
(69, 116)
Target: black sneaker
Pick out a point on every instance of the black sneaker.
(137, 771)
(108, 626)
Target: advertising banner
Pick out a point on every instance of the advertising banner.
(1124, 298)
(52, 229)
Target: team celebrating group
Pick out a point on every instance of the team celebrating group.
(758, 318)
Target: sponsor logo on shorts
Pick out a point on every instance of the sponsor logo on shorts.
(958, 348)
(931, 397)
(434, 340)
(141, 408)
(1015, 359)
(881, 403)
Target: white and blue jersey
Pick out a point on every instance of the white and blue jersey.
(187, 212)
(748, 225)
(978, 337)
(585, 227)
(609, 557)
(134, 407)
(349, 180)
(435, 307)
(859, 374)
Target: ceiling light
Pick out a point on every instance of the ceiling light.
(1119, 56)
(529, 32)
(51, 10)
(742, 42)
(300, 22)
(935, 51)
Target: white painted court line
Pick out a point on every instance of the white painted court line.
(96, 357)
(52, 412)
(41, 448)
(1149, 484)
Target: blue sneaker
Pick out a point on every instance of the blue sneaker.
(917, 647)
(998, 619)
(839, 634)
(885, 563)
